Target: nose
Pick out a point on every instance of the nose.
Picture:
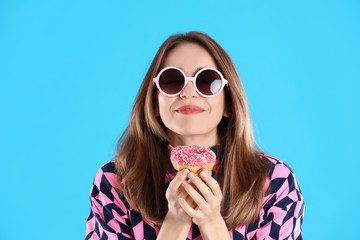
(189, 91)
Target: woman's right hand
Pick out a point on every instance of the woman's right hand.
(177, 222)
(173, 193)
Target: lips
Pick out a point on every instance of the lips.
(189, 109)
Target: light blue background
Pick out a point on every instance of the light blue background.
(70, 70)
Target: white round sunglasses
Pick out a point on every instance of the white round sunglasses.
(208, 82)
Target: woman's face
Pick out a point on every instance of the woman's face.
(189, 117)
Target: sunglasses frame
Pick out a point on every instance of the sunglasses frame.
(187, 79)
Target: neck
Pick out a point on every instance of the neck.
(178, 140)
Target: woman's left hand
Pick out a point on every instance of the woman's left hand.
(206, 193)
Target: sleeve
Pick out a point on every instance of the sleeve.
(283, 209)
(108, 218)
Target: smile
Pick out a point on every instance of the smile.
(189, 109)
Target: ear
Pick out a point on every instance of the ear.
(156, 103)
(156, 111)
(226, 113)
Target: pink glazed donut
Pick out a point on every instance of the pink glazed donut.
(192, 157)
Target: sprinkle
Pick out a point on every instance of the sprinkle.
(192, 155)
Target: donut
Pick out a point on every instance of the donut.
(192, 157)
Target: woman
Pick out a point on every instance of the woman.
(139, 195)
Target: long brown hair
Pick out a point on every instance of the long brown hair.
(142, 156)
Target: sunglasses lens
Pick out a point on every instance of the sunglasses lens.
(171, 81)
(208, 82)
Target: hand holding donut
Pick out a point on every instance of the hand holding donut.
(198, 199)
(173, 193)
(177, 222)
(203, 189)
(206, 193)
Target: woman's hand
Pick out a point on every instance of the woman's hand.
(177, 222)
(175, 192)
(205, 191)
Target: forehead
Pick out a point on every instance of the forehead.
(189, 57)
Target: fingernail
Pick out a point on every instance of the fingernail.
(203, 173)
(185, 171)
(191, 175)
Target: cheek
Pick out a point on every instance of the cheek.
(161, 103)
(219, 105)
(164, 106)
(220, 110)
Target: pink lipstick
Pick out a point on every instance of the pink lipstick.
(189, 109)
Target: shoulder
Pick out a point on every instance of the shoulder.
(107, 172)
(280, 176)
(108, 167)
(106, 186)
(277, 168)
(106, 179)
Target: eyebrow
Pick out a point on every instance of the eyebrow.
(198, 69)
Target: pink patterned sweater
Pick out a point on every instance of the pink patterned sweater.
(281, 216)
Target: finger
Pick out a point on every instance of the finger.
(212, 183)
(179, 178)
(194, 194)
(202, 187)
(190, 201)
(187, 208)
(182, 194)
